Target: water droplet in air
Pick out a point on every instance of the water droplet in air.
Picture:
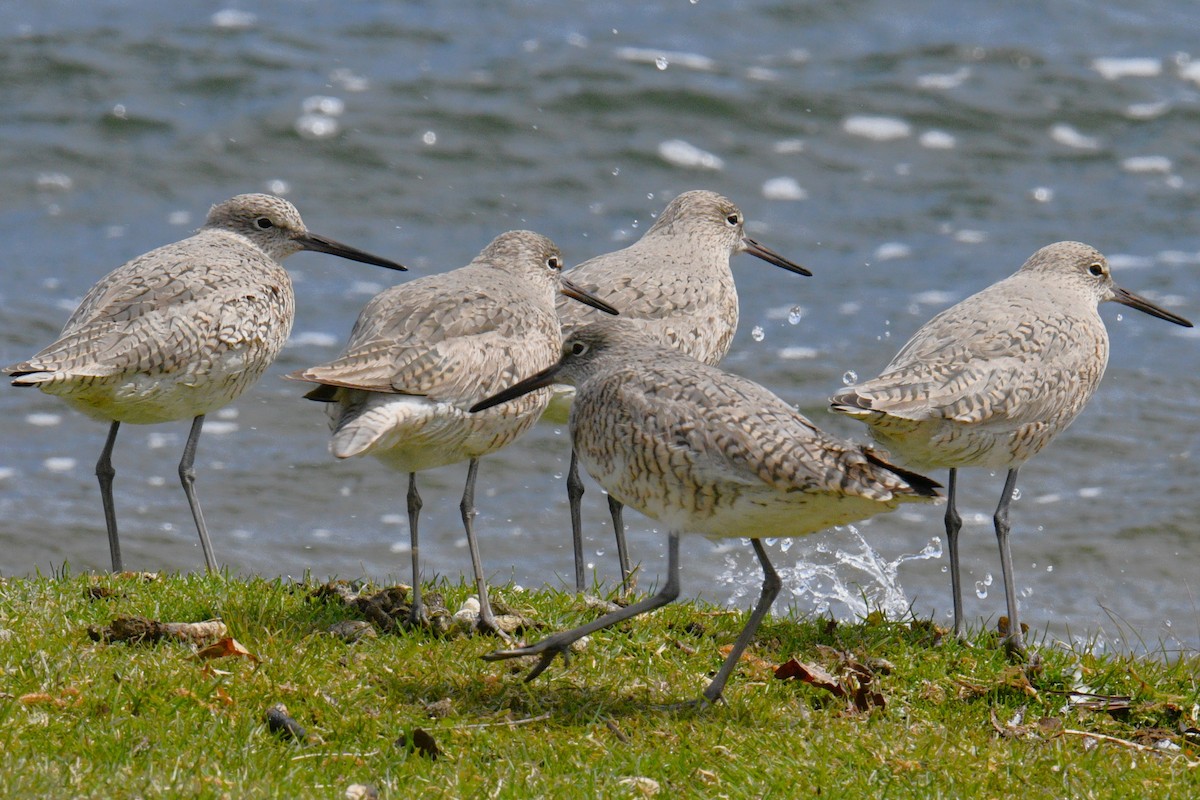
(430, 137)
(1016, 493)
(850, 377)
(795, 315)
(661, 62)
(616, 171)
(981, 590)
(757, 334)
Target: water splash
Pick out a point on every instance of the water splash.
(849, 579)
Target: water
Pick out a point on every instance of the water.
(910, 153)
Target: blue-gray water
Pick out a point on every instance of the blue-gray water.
(908, 152)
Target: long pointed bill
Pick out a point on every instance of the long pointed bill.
(530, 384)
(770, 256)
(320, 244)
(1127, 298)
(575, 293)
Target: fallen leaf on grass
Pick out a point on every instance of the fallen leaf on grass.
(748, 658)
(855, 680)
(225, 648)
(810, 673)
(68, 696)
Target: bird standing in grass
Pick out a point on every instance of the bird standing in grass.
(422, 352)
(674, 284)
(182, 331)
(991, 381)
(703, 451)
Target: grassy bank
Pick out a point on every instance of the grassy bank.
(898, 712)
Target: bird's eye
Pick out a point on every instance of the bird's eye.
(262, 223)
(1096, 269)
(554, 263)
(733, 220)
(578, 348)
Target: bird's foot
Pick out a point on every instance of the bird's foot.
(547, 648)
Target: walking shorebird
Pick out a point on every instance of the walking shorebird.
(675, 284)
(703, 451)
(181, 331)
(422, 352)
(990, 381)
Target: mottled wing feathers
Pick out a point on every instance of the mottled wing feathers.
(730, 430)
(441, 340)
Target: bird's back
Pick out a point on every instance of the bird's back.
(176, 332)
(422, 352)
(709, 452)
(989, 381)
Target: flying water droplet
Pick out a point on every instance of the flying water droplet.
(850, 377)
(757, 334)
(795, 315)
(661, 62)
(981, 590)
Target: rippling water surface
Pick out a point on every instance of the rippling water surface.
(909, 153)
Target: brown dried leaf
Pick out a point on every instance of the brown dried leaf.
(225, 648)
(812, 674)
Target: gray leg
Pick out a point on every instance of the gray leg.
(1014, 641)
(770, 590)
(953, 526)
(615, 507)
(560, 642)
(416, 611)
(105, 473)
(487, 619)
(574, 495)
(187, 476)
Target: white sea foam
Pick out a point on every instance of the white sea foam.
(783, 188)
(1114, 68)
(672, 58)
(938, 140)
(1066, 135)
(944, 80)
(685, 154)
(879, 129)
(1160, 164)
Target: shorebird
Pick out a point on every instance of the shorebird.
(675, 284)
(181, 331)
(990, 381)
(703, 451)
(422, 352)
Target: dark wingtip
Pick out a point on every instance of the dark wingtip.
(922, 485)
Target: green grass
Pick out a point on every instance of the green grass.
(80, 718)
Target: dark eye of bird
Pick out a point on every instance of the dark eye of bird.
(732, 219)
(579, 348)
(1096, 270)
(263, 223)
(554, 263)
